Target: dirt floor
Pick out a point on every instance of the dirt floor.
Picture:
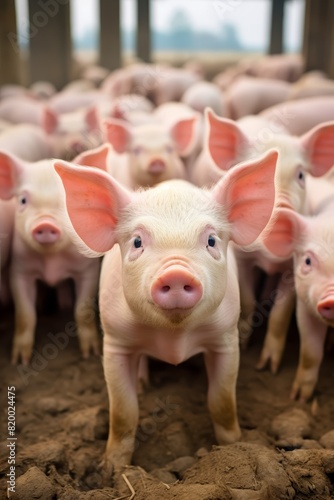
(286, 450)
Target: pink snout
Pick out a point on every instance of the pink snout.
(157, 167)
(176, 288)
(46, 233)
(326, 308)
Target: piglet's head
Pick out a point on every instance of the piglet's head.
(154, 150)
(173, 238)
(38, 212)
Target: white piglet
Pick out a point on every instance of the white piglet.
(310, 240)
(169, 285)
(42, 250)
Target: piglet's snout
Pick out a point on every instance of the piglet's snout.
(176, 288)
(326, 308)
(156, 167)
(46, 232)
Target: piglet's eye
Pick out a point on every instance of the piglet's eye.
(137, 150)
(211, 241)
(308, 261)
(301, 177)
(23, 200)
(137, 242)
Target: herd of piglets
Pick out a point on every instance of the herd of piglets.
(162, 193)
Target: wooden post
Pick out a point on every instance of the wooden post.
(143, 30)
(318, 46)
(9, 47)
(50, 41)
(110, 34)
(277, 24)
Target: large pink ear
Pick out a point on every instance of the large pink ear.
(283, 232)
(319, 146)
(247, 192)
(224, 140)
(118, 133)
(50, 120)
(97, 157)
(184, 134)
(93, 201)
(10, 169)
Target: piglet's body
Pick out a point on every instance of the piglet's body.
(28, 142)
(310, 239)
(43, 251)
(169, 285)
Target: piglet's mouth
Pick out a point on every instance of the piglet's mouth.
(175, 316)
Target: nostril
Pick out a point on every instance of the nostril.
(165, 288)
(188, 288)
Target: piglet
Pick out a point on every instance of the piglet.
(149, 153)
(310, 240)
(228, 142)
(42, 250)
(169, 284)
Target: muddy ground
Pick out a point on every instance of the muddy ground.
(286, 450)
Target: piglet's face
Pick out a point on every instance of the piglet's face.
(173, 237)
(173, 245)
(38, 217)
(153, 157)
(314, 270)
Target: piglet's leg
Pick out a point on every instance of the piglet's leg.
(312, 339)
(120, 373)
(222, 369)
(247, 301)
(278, 325)
(86, 286)
(24, 295)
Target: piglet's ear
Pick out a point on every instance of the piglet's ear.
(283, 232)
(184, 134)
(93, 202)
(97, 157)
(224, 140)
(118, 134)
(10, 169)
(247, 192)
(319, 146)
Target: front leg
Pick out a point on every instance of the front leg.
(222, 369)
(247, 300)
(24, 296)
(120, 373)
(278, 326)
(312, 334)
(86, 309)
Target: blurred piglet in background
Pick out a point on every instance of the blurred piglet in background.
(42, 250)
